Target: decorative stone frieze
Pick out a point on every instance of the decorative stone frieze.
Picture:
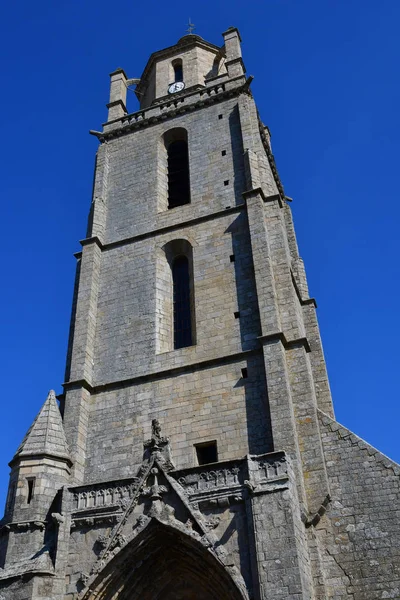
(267, 473)
(23, 526)
(115, 494)
(220, 484)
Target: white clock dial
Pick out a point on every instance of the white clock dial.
(178, 86)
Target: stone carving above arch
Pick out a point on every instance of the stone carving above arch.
(158, 523)
(164, 559)
(181, 514)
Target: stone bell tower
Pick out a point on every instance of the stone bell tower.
(194, 454)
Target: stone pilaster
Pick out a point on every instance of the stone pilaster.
(283, 565)
(77, 390)
(98, 210)
(291, 390)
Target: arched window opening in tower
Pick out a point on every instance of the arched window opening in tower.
(182, 304)
(178, 71)
(178, 174)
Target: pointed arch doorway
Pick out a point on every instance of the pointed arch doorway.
(164, 563)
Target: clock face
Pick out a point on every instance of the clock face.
(178, 86)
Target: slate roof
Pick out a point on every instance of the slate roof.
(46, 434)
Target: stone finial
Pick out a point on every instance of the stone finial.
(156, 430)
(157, 441)
(158, 445)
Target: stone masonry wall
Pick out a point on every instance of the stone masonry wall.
(214, 403)
(222, 405)
(133, 161)
(360, 533)
(126, 329)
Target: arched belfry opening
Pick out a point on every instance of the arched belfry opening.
(177, 66)
(173, 169)
(175, 297)
(164, 563)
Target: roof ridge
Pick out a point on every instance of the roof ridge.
(345, 433)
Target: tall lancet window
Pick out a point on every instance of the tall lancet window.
(175, 316)
(173, 172)
(182, 303)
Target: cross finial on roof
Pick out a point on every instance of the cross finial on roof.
(191, 27)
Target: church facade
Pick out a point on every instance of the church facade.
(194, 453)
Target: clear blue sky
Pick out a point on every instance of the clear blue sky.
(326, 83)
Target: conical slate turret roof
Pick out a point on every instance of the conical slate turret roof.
(46, 434)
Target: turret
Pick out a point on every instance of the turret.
(39, 470)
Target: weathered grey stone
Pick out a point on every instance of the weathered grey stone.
(109, 501)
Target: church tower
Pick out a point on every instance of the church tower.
(194, 454)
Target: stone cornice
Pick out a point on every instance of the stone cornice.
(38, 456)
(162, 374)
(160, 230)
(23, 526)
(173, 106)
(254, 192)
(117, 103)
(236, 61)
(287, 344)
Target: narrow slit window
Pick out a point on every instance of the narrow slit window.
(206, 453)
(182, 303)
(11, 496)
(178, 174)
(178, 71)
(31, 490)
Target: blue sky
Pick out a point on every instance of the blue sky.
(326, 82)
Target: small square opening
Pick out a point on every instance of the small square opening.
(244, 373)
(232, 258)
(206, 453)
(223, 152)
(226, 182)
(237, 314)
(220, 116)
